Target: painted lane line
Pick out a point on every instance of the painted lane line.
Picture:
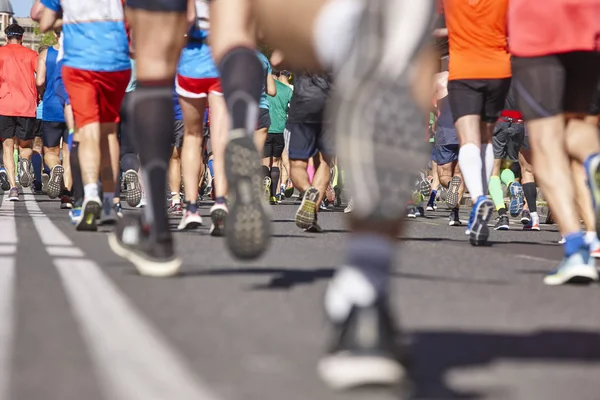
(7, 323)
(8, 232)
(7, 249)
(49, 233)
(133, 361)
(58, 251)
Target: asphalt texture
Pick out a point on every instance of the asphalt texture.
(77, 322)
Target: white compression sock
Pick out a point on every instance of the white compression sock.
(469, 161)
(487, 153)
(90, 190)
(334, 30)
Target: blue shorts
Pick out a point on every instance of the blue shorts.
(445, 154)
(159, 5)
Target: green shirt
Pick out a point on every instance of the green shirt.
(278, 107)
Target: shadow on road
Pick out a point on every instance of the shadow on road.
(280, 279)
(436, 353)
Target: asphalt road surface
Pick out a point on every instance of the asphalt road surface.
(77, 323)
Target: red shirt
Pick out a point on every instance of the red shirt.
(543, 27)
(18, 93)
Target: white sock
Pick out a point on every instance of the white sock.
(90, 190)
(348, 287)
(469, 161)
(334, 31)
(487, 153)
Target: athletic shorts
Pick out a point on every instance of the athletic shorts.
(445, 153)
(508, 139)
(159, 5)
(38, 128)
(52, 132)
(95, 96)
(264, 119)
(595, 108)
(178, 134)
(274, 145)
(550, 85)
(21, 127)
(483, 97)
(307, 139)
(197, 88)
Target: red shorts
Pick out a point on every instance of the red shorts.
(95, 96)
(197, 88)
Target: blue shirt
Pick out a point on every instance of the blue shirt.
(196, 59)
(94, 34)
(264, 100)
(53, 107)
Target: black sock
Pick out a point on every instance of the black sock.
(529, 189)
(191, 206)
(151, 115)
(77, 188)
(265, 171)
(275, 172)
(242, 78)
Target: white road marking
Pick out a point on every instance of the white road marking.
(49, 233)
(8, 233)
(59, 251)
(6, 249)
(532, 258)
(133, 361)
(7, 322)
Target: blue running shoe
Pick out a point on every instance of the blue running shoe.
(75, 215)
(579, 267)
(592, 169)
(478, 222)
(517, 199)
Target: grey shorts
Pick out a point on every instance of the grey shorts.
(508, 139)
(178, 134)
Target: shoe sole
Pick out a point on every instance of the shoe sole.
(89, 214)
(479, 233)
(578, 275)
(189, 225)
(133, 191)
(144, 266)
(305, 216)
(502, 228)
(248, 231)
(218, 218)
(343, 372)
(452, 193)
(55, 182)
(516, 200)
(45, 181)
(25, 178)
(4, 183)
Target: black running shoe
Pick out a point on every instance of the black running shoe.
(133, 190)
(151, 256)
(306, 215)
(55, 183)
(4, 183)
(502, 224)
(366, 350)
(248, 228)
(525, 217)
(454, 218)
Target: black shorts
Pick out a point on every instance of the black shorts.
(178, 134)
(159, 5)
(307, 139)
(264, 119)
(550, 85)
(38, 128)
(508, 139)
(595, 109)
(21, 127)
(274, 145)
(52, 132)
(483, 97)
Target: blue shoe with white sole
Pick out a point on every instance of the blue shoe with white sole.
(517, 199)
(478, 221)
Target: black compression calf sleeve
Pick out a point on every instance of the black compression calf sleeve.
(265, 171)
(242, 79)
(151, 115)
(77, 188)
(530, 192)
(275, 172)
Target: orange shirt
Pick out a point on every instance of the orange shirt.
(18, 93)
(544, 27)
(477, 31)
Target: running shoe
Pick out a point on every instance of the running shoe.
(424, 186)
(412, 212)
(55, 183)
(109, 214)
(525, 217)
(133, 190)
(517, 199)
(307, 212)
(151, 256)
(175, 208)
(143, 201)
(591, 238)
(118, 209)
(534, 223)
(431, 207)
(267, 188)
(36, 188)
(452, 198)
(480, 216)
(314, 228)
(218, 217)
(4, 183)
(45, 181)
(502, 223)
(349, 207)
(592, 169)
(65, 202)
(577, 268)
(90, 211)
(561, 240)
(338, 196)
(273, 200)
(420, 211)
(13, 194)
(191, 218)
(75, 214)
(248, 228)
(289, 190)
(25, 177)
(454, 218)
(355, 359)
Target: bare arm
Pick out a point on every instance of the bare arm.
(40, 72)
(49, 20)
(271, 88)
(36, 11)
(440, 33)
